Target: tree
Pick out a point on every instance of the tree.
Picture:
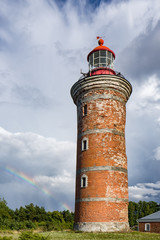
(140, 209)
(68, 216)
(30, 212)
(22, 214)
(4, 210)
(132, 213)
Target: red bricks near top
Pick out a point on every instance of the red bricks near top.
(101, 202)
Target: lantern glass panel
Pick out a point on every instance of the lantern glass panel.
(109, 54)
(96, 54)
(102, 60)
(103, 53)
(91, 60)
(96, 60)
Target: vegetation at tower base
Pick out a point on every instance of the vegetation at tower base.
(34, 217)
(79, 236)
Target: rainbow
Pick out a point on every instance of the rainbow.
(31, 181)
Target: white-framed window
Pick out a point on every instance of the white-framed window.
(84, 181)
(147, 227)
(84, 144)
(84, 109)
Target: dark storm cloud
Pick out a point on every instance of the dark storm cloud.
(24, 194)
(143, 133)
(30, 96)
(142, 57)
(139, 62)
(30, 158)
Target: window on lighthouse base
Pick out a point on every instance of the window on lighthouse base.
(84, 181)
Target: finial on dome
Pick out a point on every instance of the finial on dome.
(100, 42)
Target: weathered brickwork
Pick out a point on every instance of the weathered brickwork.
(101, 211)
(103, 204)
(154, 227)
(104, 149)
(104, 184)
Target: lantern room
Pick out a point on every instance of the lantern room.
(101, 60)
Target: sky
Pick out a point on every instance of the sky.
(43, 47)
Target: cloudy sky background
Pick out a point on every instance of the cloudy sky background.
(43, 46)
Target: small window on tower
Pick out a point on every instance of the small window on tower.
(85, 110)
(84, 144)
(84, 181)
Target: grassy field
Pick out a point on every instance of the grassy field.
(95, 236)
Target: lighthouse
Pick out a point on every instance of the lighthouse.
(101, 199)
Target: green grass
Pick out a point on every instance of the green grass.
(93, 236)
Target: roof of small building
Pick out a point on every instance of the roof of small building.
(154, 217)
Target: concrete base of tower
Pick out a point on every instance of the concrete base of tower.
(102, 226)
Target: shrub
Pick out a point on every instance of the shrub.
(6, 238)
(32, 236)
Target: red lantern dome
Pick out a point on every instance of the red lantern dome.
(101, 60)
(101, 47)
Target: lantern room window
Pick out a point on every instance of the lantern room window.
(101, 58)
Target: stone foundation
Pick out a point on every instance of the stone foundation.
(102, 227)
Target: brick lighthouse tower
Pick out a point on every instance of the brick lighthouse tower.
(101, 202)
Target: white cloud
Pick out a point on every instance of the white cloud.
(145, 192)
(65, 177)
(150, 89)
(145, 97)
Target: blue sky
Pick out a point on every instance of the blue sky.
(43, 46)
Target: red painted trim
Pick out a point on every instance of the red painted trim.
(101, 71)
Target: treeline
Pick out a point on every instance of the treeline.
(33, 217)
(141, 209)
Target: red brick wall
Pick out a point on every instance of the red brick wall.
(154, 227)
(104, 126)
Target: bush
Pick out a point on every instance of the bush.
(30, 225)
(6, 238)
(32, 236)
